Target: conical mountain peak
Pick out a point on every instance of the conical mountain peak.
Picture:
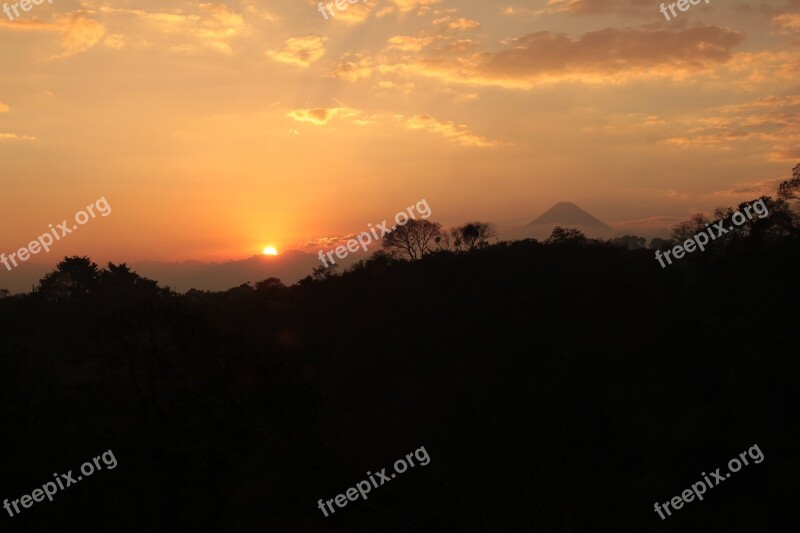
(568, 214)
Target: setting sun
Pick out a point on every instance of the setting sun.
(270, 250)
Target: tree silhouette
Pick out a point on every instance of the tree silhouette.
(442, 241)
(631, 242)
(688, 228)
(657, 243)
(413, 240)
(74, 276)
(777, 225)
(323, 272)
(561, 235)
(790, 189)
(472, 235)
(270, 285)
(122, 282)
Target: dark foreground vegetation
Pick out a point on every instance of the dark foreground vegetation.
(558, 387)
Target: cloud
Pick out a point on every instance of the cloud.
(769, 125)
(422, 6)
(672, 193)
(78, 33)
(210, 26)
(762, 68)
(300, 51)
(320, 116)
(760, 9)
(352, 67)
(460, 24)
(386, 11)
(654, 222)
(459, 96)
(785, 154)
(612, 50)
(407, 43)
(758, 188)
(115, 41)
(770, 103)
(603, 56)
(458, 133)
(458, 46)
(600, 7)
(15, 137)
(256, 11)
(630, 8)
(513, 10)
(723, 139)
(329, 243)
(621, 123)
(405, 88)
(789, 24)
(219, 23)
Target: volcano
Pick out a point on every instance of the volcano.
(570, 215)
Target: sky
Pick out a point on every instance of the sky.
(213, 130)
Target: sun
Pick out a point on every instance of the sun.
(270, 250)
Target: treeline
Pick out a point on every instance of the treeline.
(557, 386)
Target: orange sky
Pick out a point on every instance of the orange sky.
(215, 129)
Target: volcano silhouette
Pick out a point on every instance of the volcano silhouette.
(570, 215)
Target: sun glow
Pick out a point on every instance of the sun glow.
(270, 250)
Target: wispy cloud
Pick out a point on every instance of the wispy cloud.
(753, 189)
(458, 133)
(459, 24)
(352, 67)
(320, 115)
(300, 51)
(207, 26)
(406, 43)
(453, 132)
(15, 137)
(78, 32)
(768, 124)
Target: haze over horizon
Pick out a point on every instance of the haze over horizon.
(287, 265)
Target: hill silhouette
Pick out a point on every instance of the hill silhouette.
(238, 410)
(554, 385)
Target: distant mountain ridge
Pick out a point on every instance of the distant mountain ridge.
(289, 266)
(185, 275)
(569, 214)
